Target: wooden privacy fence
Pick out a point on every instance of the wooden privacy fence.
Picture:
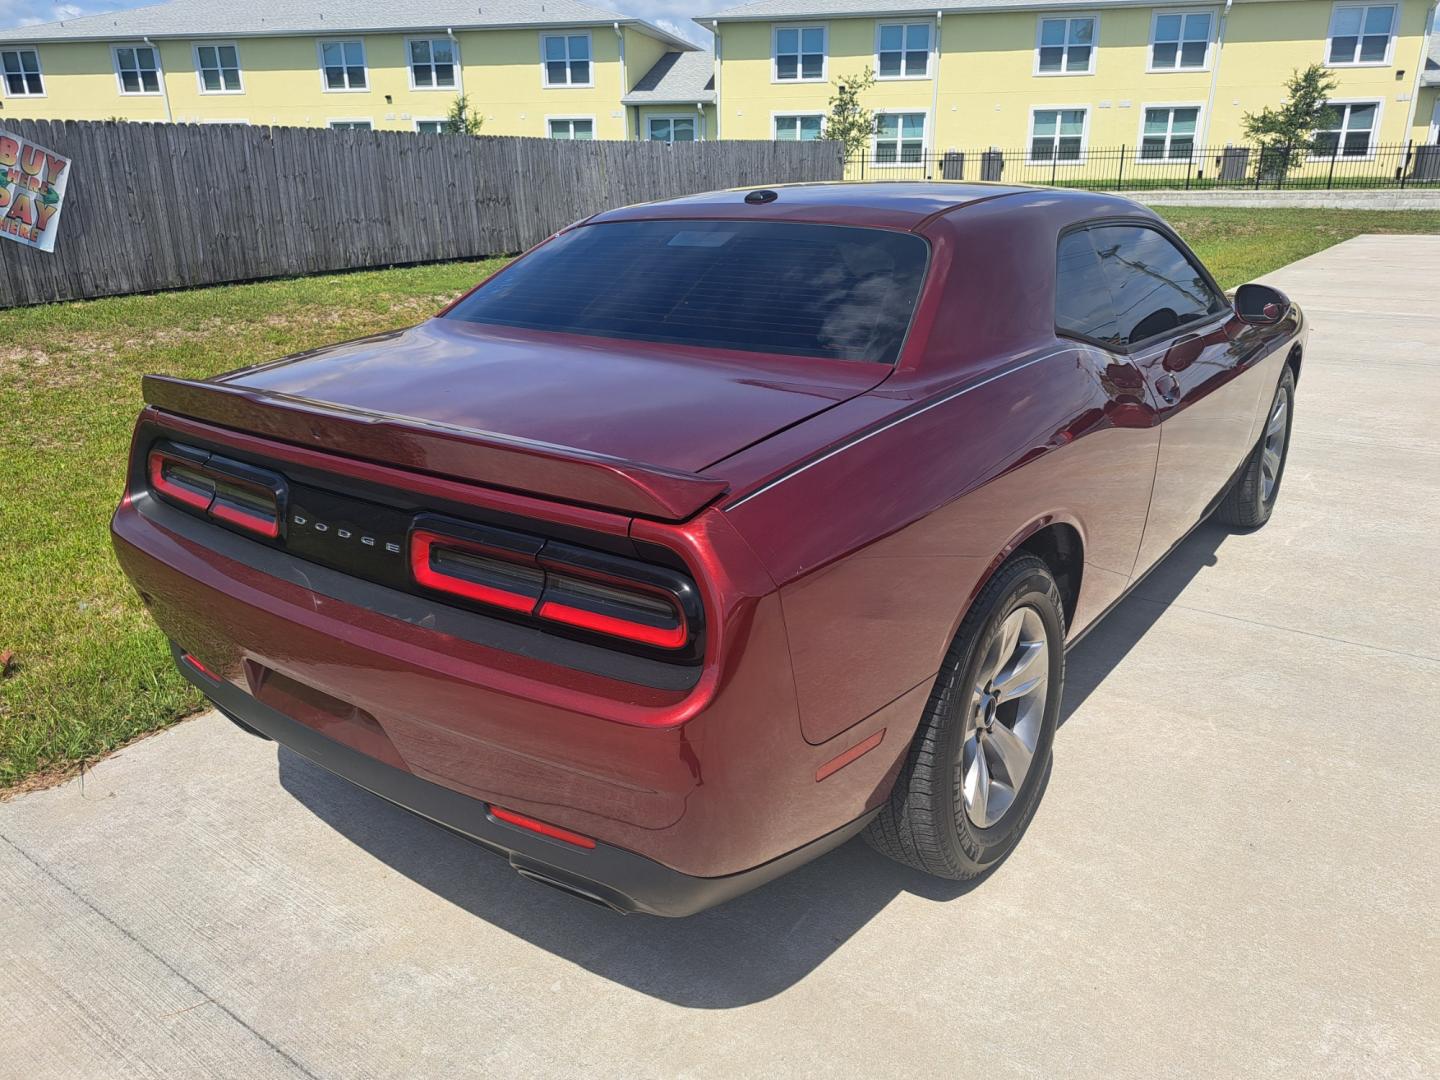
(159, 206)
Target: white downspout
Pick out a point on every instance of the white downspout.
(164, 90)
(459, 61)
(624, 82)
(719, 112)
(1420, 71)
(1214, 77)
(935, 87)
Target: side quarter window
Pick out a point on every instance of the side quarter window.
(1083, 304)
(1157, 289)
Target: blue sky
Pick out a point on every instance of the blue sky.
(672, 15)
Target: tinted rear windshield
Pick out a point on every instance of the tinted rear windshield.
(829, 291)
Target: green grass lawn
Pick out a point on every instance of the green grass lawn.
(90, 671)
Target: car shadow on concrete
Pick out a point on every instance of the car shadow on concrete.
(747, 950)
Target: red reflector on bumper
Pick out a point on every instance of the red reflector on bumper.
(198, 666)
(555, 832)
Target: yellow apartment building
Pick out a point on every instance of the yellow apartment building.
(1060, 78)
(547, 68)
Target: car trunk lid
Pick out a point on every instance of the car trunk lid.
(628, 426)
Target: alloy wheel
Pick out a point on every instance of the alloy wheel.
(1004, 716)
(1272, 453)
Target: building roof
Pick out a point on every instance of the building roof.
(264, 18)
(1431, 74)
(839, 9)
(677, 78)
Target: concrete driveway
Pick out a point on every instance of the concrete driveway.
(1235, 871)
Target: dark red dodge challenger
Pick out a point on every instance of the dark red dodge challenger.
(713, 532)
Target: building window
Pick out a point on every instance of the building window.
(1168, 133)
(573, 128)
(1361, 35)
(350, 125)
(1351, 129)
(430, 127)
(567, 59)
(1180, 41)
(900, 138)
(138, 69)
(799, 53)
(902, 50)
(432, 63)
(671, 129)
(1057, 135)
(1066, 47)
(805, 127)
(344, 64)
(219, 68)
(22, 73)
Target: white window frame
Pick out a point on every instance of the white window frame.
(566, 35)
(1358, 63)
(928, 24)
(348, 120)
(416, 121)
(898, 163)
(39, 70)
(1198, 106)
(691, 116)
(570, 118)
(824, 75)
(454, 44)
(796, 114)
(159, 90)
(1084, 136)
(1341, 103)
(1177, 69)
(200, 73)
(364, 63)
(1067, 19)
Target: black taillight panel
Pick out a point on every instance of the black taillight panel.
(233, 493)
(568, 589)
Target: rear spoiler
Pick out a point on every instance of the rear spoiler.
(522, 465)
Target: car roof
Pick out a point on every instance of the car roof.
(886, 203)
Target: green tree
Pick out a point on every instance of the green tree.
(460, 120)
(1284, 131)
(849, 122)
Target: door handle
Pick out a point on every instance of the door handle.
(1168, 388)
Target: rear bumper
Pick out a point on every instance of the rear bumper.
(605, 874)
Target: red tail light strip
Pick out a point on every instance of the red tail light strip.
(181, 493)
(544, 828)
(660, 637)
(236, 515)
(230, 491)
(601, 594)
(422, 548)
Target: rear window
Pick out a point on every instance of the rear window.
(829, 291)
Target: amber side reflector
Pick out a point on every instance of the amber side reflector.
(544, 828)
(859, 750)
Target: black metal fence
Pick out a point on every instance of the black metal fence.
(1151, 168)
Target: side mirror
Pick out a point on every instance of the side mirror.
(1260, 305)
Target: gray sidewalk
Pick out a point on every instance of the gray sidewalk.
(1235, 871)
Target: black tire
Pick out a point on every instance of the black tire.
(925, 824)
(1245, 505)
